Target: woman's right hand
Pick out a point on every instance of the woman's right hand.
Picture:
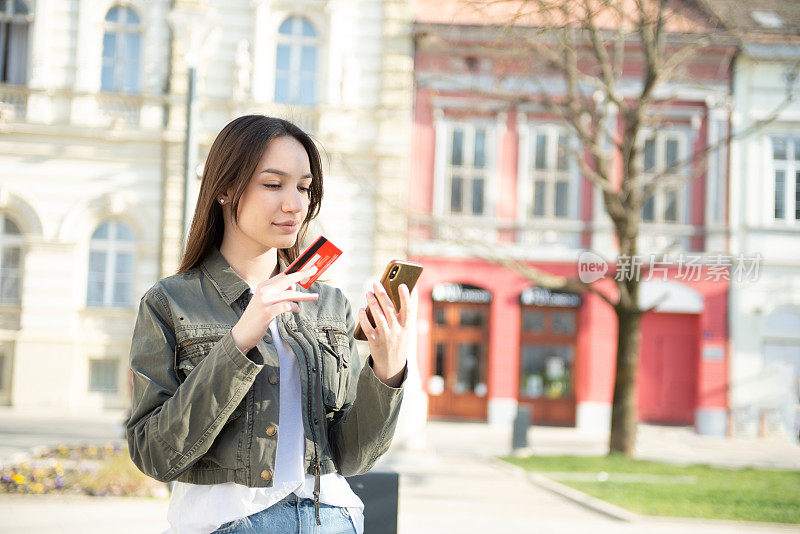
(270, 298)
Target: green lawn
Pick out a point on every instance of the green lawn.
(673, 490)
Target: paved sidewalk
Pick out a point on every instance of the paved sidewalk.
(23, 429)
(50, 514)
(453, 484)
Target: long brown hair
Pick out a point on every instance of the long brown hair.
(231, 163)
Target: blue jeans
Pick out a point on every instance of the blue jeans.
(292, 516)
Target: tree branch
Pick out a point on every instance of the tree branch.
(652, 184)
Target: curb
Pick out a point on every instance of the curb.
(583, 499)
(578, 497)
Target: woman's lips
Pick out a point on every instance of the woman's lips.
(288, 227)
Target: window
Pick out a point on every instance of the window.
(473, 317)
(15, 19)
(668, 202)
(111, 266)
(533, 320)
(468, 155)
(439, 364)
(10, 261)
(546, 371)
(552, 193)
(296, 62)
(122, 47)
(548, 347)
(786, 169)
(471, 369)
(563, 322)
(103, 375)
(438, 316)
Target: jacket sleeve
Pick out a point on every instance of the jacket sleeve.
(172, 424)
(362, 431)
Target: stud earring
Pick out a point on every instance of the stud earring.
(222, 201)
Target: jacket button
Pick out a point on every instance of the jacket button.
(273, 379)
(266, 474)
(272, 430)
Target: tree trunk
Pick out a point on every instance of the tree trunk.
(623, 410)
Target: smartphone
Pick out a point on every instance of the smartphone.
(321, 253)
(396, 273)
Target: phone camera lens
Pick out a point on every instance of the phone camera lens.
(393, 273)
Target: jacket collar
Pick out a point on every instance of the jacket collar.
(230, 285)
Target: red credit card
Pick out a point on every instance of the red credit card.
(321, 253)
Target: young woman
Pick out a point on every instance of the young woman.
(244, 385)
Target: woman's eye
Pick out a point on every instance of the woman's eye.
(272, 186)
(304, 189)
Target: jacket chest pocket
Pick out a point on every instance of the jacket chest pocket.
(334, 345)
(190, 352)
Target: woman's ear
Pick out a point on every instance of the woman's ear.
(225, 197)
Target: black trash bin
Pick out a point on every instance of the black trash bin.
(380, 493)
(519, 439)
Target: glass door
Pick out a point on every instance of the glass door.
(457, 387)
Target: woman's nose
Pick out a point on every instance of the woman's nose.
(292, 202)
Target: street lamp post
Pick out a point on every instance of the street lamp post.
(189, 152)
(191, 21)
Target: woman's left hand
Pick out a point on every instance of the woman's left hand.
(389, 338)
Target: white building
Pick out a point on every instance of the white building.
(92, 141)
(765, 219)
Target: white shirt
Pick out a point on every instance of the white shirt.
(201, 509)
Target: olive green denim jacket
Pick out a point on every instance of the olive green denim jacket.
(203, 412)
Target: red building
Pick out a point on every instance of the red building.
(498, 177)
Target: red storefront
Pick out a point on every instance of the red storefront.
(491, 341)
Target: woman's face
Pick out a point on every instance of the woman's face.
(276, 200)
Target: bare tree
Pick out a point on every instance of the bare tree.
(615, 60)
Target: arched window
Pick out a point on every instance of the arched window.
(122, 47)
(15, 19)
(111, 265)
(10, 261)
(296, 62)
